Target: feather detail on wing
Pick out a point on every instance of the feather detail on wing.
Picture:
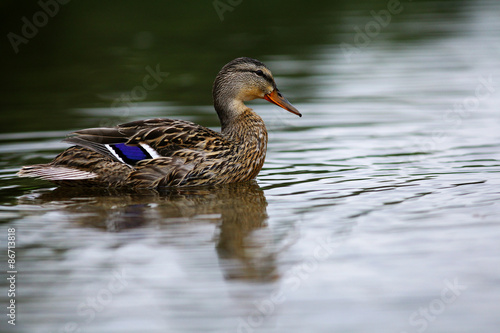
(140, 140)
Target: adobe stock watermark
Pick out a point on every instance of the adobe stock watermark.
(364, 36)
(425, 315)
(92, 305)
(122, 105)
(454, 116)
(222, 6)
(292, 281)
(483, 90)
(30, 28)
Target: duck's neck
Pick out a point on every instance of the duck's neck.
(247, 132)
(239, 123)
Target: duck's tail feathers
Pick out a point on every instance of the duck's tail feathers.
(54, 173)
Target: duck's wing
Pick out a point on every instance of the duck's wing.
(140, 140)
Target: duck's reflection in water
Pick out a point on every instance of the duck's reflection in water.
(244, 249)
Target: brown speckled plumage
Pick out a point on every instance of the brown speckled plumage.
(180, 153)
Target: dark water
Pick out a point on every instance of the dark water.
(377, 211)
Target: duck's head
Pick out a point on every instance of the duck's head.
(245, 79)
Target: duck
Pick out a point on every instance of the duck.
(162, 152)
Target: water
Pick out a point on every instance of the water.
(376, 211)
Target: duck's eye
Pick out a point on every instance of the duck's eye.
(259, 73)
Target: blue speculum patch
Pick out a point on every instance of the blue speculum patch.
(130, 154)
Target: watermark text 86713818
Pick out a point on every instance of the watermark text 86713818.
(11, 275)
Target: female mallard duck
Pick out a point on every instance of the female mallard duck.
(164, 152)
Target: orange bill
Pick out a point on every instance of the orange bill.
(277, 98)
